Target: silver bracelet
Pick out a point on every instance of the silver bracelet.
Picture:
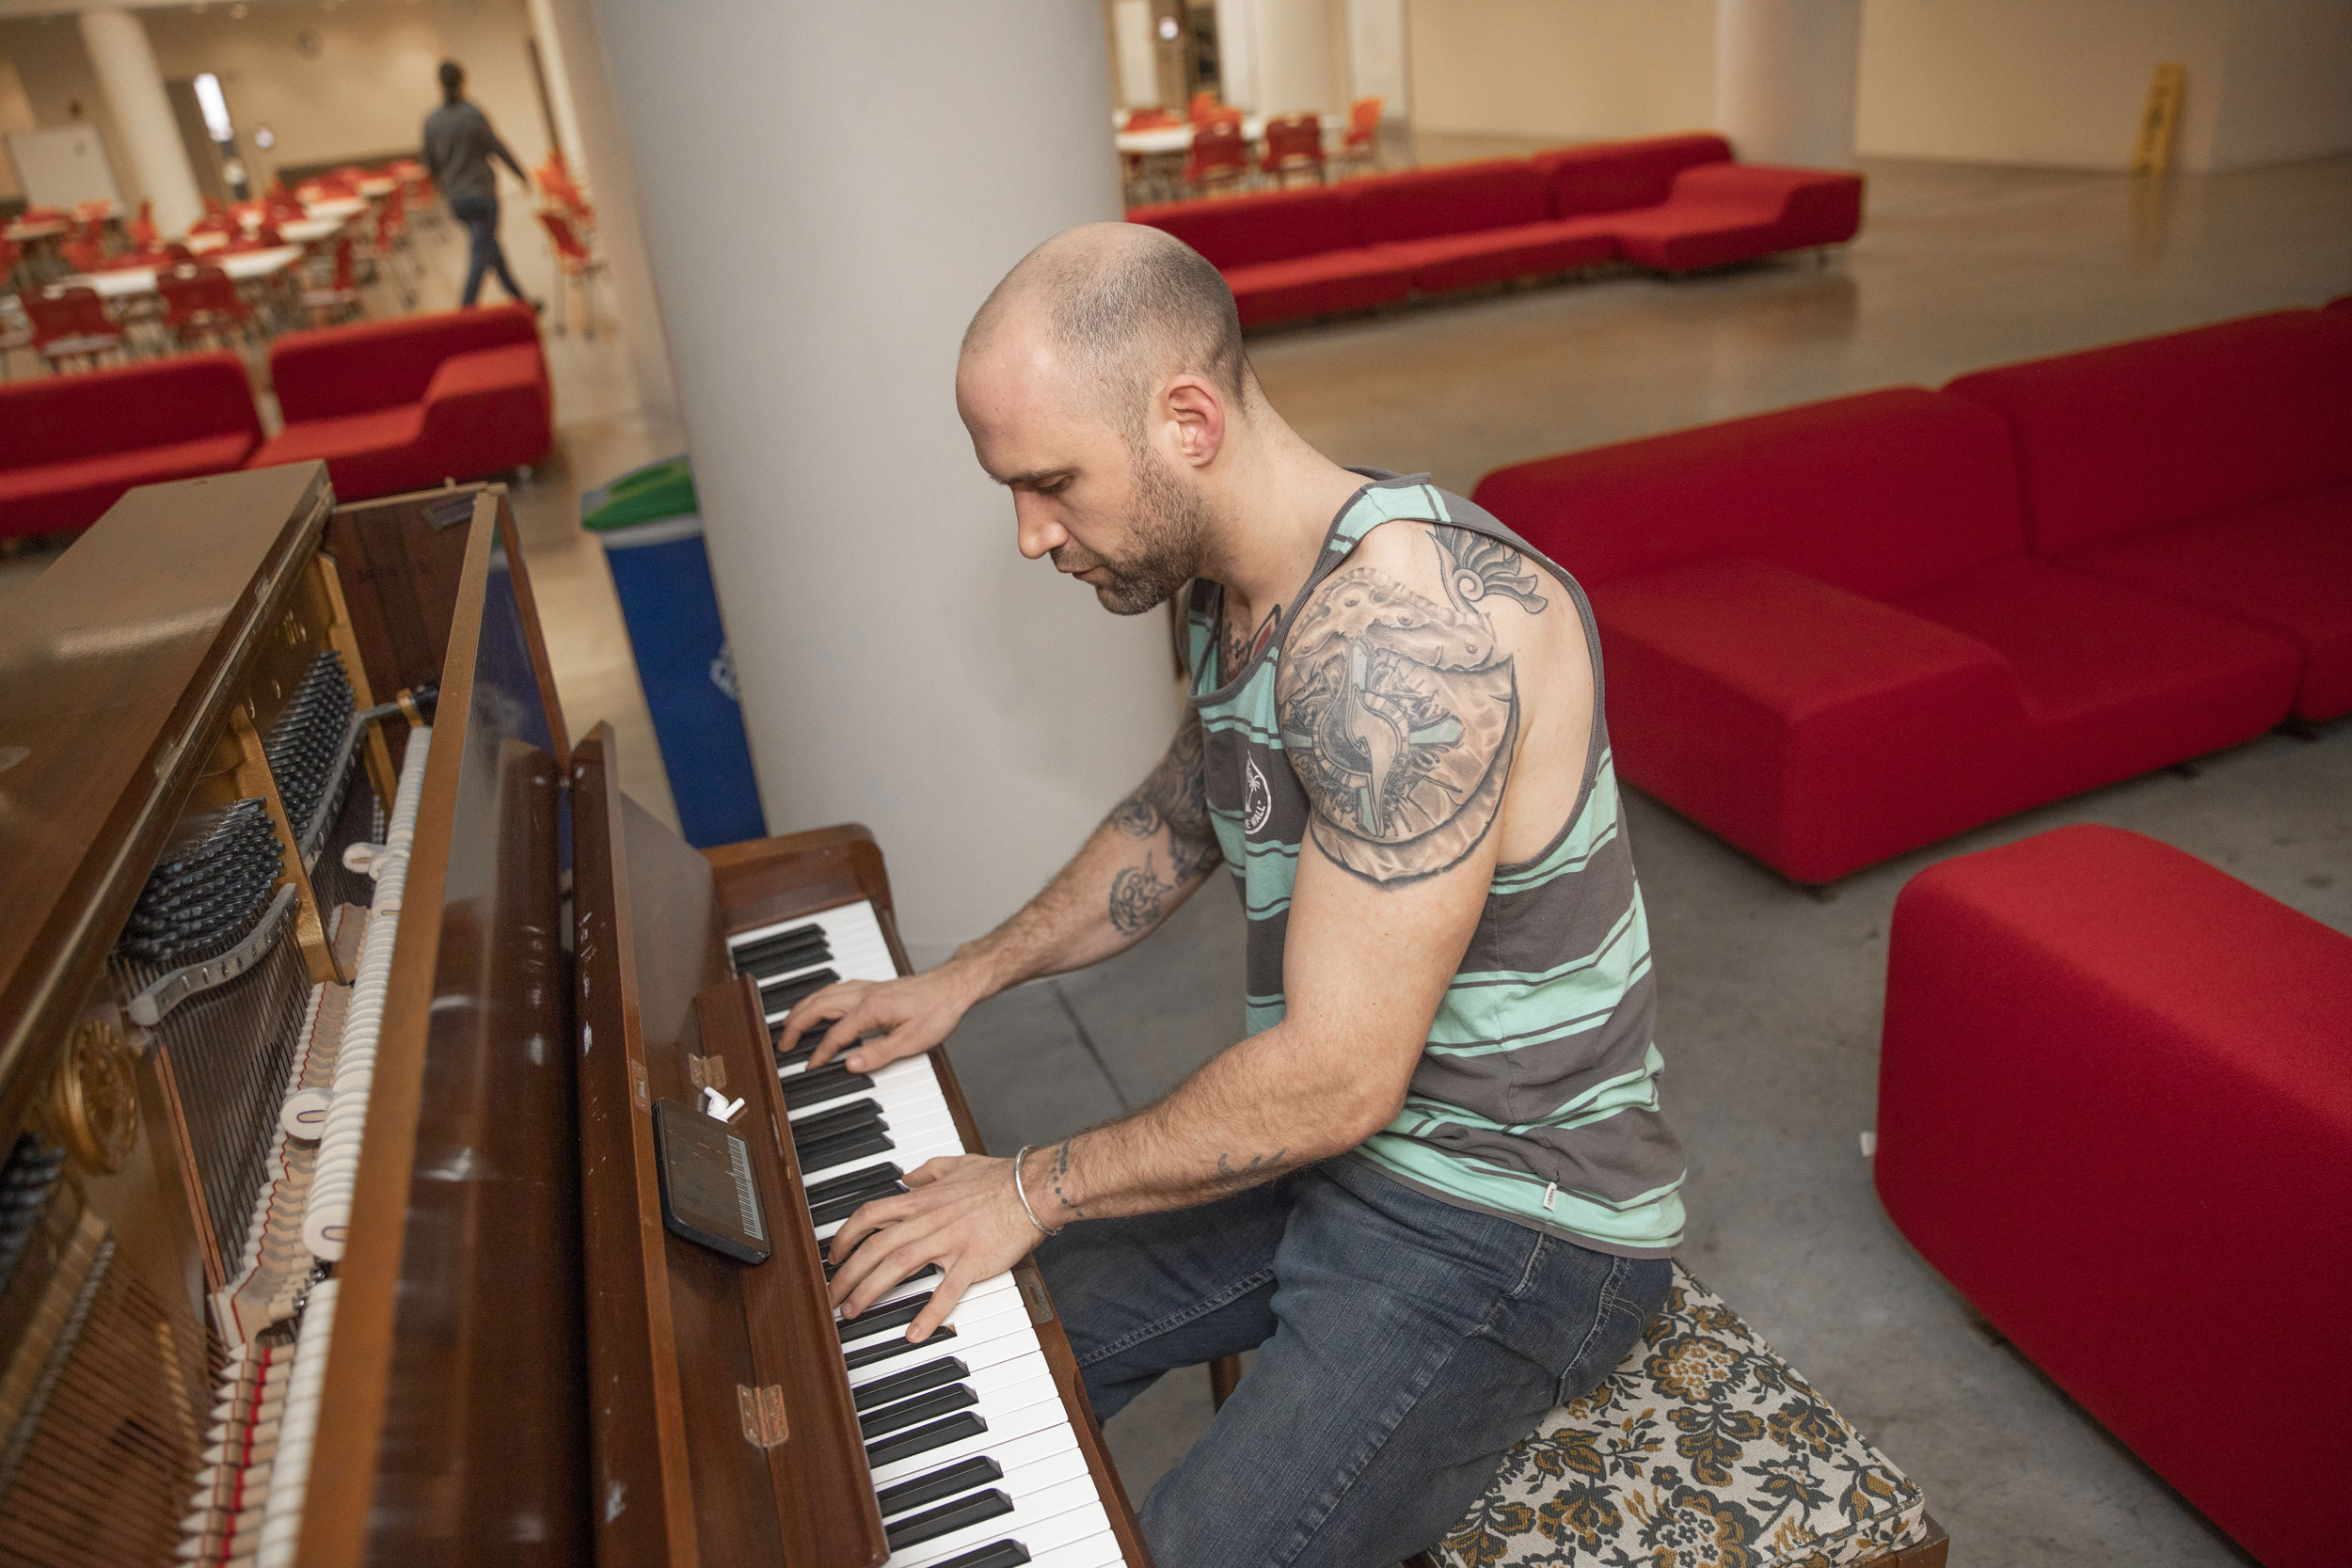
(1022, 1193)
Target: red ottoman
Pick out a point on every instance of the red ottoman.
(2115, 1112)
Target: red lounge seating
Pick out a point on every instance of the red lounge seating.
(403, 404)
(2114, 1113)
(1829, 640)
(71, 445)
(1670, 202)
(2211, 466)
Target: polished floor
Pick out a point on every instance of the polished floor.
(1769, 999)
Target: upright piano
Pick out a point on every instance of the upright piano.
(398, 1165)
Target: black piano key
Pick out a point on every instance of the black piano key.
(964, 1475)
(842, 1208)
(816, 1088)
(856, 1182)
(895, 1314)
(785, 995)
(923, 1407)
(887, 1349)
(906, 1445)
(857, 1117)
(960, 1514)
(1003, 1554)
(906, 1384)
(775, 963)
(750, 955)
(827, 1152)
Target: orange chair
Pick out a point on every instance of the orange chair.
(1294, 145)
(1362, 145)
(1148, 120)
(71, 323)
(1219, 157)
(94, 213)
(574, 263)
(142, 228)
(381, 250)
(201, 302)
(82, 253)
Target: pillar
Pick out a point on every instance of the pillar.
(1786, 78)
(127, 73)
(601, 162)
(1285, 56)
(827, 196)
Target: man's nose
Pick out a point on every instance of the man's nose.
(1033, 525)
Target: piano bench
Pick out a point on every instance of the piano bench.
(1704, 1447)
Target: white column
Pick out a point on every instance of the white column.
(602, 163)
(133, 87)
(1297, 54)
(1786, 78)
(555, 69)
(824, 212)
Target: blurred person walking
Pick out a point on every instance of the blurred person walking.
(459, 146)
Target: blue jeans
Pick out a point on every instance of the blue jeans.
(1404, 1345)
(480, 214)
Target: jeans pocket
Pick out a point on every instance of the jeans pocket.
(1629, 1295)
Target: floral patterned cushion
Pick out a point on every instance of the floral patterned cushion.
(1704, 1451)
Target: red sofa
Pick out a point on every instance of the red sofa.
(71, 445)
(402, 404)
(2213, 466)
(1839, 632)
(1673, 204)
(2114, 1112)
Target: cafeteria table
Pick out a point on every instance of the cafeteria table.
(242, 266)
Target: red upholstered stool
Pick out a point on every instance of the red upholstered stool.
(2115, 1111)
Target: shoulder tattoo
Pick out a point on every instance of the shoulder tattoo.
(1399, 713)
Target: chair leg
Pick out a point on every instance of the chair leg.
(1224, 1375)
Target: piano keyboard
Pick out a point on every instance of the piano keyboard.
(973, 1455)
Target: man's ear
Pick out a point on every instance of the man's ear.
(1193, 412)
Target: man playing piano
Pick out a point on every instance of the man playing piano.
(1432, 1187)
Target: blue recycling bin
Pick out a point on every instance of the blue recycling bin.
(652, 536)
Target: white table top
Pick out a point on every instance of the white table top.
(17, 233)
(378, 184)
(240, 267)
(337, 207)
(1178, 138)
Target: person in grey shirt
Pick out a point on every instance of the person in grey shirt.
(459, 146)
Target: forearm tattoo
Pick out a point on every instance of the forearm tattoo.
(1174, 797)
(1137, 895)
(1399, 712)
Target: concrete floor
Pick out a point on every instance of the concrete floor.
(1768, 1000)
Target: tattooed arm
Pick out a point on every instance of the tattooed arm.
(1145, 859)
(1400, 711)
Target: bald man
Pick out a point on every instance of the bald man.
(1432, 1187)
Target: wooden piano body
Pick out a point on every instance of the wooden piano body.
(520, 1362)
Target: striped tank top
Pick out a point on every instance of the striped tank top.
(1536, 1097)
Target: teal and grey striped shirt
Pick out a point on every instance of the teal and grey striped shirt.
(1536, 1097)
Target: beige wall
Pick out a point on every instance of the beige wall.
(16, 114)
(1578, 70)
(2063, 82)
(365, 93)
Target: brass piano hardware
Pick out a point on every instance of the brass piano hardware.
(637, 1085)
(707, 1072)
(762, 1409)
(1033, 1294)
(255, 779)
(347, 646)
(93, 1103)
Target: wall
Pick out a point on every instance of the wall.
(2063, 82)
(16, 114)
(1283, 56)
(1376, 55)
(365, 93)
(1577, 69)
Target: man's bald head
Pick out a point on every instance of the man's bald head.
(1125, 307)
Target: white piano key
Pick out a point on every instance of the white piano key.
(1096, 1551)
(972, 1351)
(1046, 1416)
(1053, 1517)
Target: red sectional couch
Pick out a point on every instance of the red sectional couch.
(1839, 632)
(402, 404)
(71, 445)
(1673, 204)
(2114, 1113)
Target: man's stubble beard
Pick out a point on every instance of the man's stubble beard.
(1172, 521)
